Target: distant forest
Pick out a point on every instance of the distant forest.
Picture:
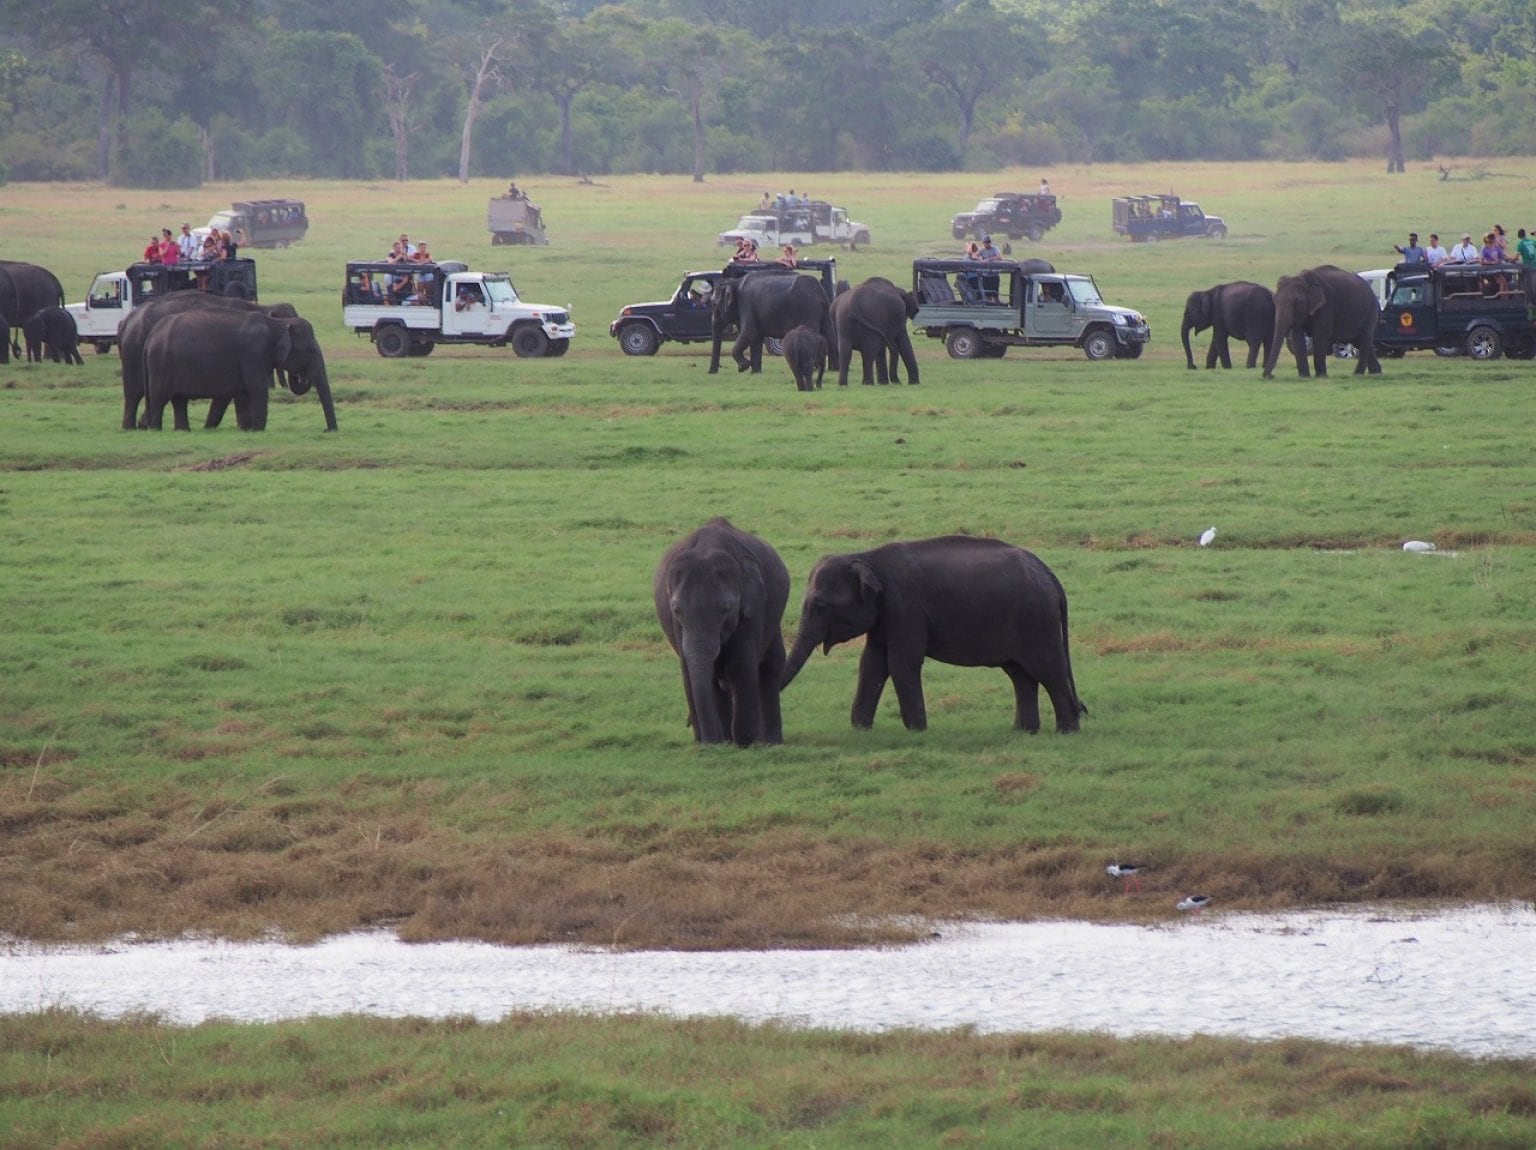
(170, 93)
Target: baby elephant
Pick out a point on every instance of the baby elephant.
(805, 351)
(720, 596)
(55, 327)
(970, 602)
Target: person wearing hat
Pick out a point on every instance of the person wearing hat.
(1411, 252)
(1465, 252)
(988, 250)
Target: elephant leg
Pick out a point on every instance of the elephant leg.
(908, 356)
(1221, 345)
(1254, 347)
(882, 375)
(1026, 699)
(907, 678)
(757, 356)
(769, 672)
(873, 672)
(216, 411)
(738, 350)
(179, 406)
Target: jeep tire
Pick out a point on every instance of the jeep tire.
(529, 342)
(1484, 342)
(391, 340)
(638, 339)
(1099, 344)
(963, 343)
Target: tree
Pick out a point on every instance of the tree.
(692, 59)
(972, 53)
(126, 36)
(1390, 63)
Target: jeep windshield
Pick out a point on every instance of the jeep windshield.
(1084, 291)
(500, 289)
(987, 206)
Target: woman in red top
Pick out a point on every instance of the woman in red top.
(169, 252)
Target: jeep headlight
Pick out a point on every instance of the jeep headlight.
(1120, 318)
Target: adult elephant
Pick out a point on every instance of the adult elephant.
(230, 354)
(1036, 266)
(24, 290)
(958, 599)
(765, 304)
(805, 352)
(52, 328)
(1239, 310)
(720, 595)
(872, 320)
(133, 336)
(1332, 306)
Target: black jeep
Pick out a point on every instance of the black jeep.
(1481, 310)
(1011, 214)
(641, 328)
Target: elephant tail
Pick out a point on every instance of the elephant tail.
(1066, 653)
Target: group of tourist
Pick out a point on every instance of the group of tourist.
(746, 253)
(170, 249)
(1495, 249)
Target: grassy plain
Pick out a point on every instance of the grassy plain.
(409, 674)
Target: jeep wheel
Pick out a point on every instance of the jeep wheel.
(1099, 344)
(1218, 232)
(1450, 351)
(102, 347)
(1036, 233)
(963, 343)
(558, 347)
(391, 340)
(1129, 351)
(1390, 352)
(773, 346)
(529, 342)
(638, 339)
(424, 348)
(994, 350)
(1484, 343)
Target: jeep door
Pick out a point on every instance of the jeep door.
(690, 320)
(1051, 314)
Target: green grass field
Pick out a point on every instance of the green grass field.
(409, 674)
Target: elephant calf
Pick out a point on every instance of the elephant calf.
(53, 328)
(961, 600)
(720, 596)
(805, 351)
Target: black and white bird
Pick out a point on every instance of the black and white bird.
(1194, 902)
(1130, 872)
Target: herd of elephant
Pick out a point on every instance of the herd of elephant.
(188, 345)
(871, 319)
(720, 596)
(1324, 305)
(32, 306)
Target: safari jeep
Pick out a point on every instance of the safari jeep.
(410, 308)
(113, 295)
(981, 308)
(1473, 309)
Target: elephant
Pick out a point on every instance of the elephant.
(1242, 310)
(230, 353)
(5, 340)
(871, 319)
(762, 305)
(1332, 306)
(720, 596)
(805, 351)
(958, 599)
(24, 290)
(133, 335)
(1034, 266)
(54, 328)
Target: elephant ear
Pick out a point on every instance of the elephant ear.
(756, 590)
(1316, 296)
(869, 584)
(282, 344)
(911, 302)
(1199, 308)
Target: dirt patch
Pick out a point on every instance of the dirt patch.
(223, 463)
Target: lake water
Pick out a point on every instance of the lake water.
(1461, 979)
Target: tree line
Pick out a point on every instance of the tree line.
(170, 93)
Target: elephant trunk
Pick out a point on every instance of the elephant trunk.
(806, 641)
(699, 655)
(315, 376)
(1279, 341)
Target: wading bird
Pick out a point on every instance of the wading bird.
(1130, 872)
(1194, 902)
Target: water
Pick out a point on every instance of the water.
(1462, 980)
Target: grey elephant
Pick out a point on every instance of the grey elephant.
(1239, 310)
(720, 595)
(872, 319)
(1332, 306)
(805, 351)
(133, 336)
(763, 305)
(25, 289)
(958, 599)
(230, 354)
(53, 329)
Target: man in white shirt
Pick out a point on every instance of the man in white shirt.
(1465, 252)
(187, 245)
(1434, 253)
